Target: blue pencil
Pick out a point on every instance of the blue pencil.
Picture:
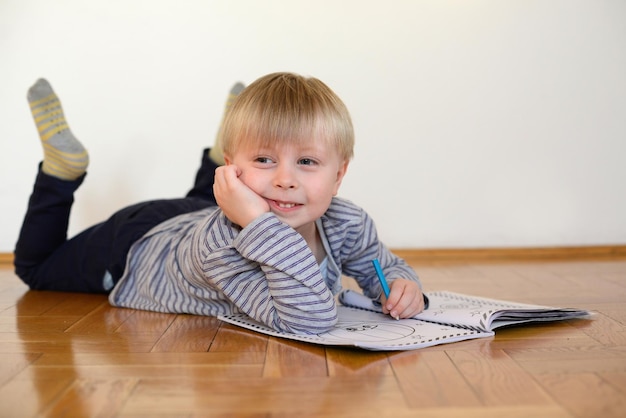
(381, 277)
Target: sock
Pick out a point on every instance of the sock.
(217, 153)
(64, 156)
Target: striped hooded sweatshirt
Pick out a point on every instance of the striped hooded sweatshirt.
(201, 263)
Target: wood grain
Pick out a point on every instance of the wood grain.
(65, 354)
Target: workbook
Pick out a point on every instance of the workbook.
(450, 317)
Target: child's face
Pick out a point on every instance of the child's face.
(297, 182)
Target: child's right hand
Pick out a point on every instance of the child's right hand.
(405, 299)
(239, 202)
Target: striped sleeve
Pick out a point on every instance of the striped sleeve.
(354, 242)
(201, 263)
(270, 274)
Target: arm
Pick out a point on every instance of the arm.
(405, 299)
(239, 203)
(268, 272)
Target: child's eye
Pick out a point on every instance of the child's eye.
(263, 160)
(307, 161)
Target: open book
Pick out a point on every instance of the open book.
(450, 317)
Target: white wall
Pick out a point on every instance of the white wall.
(479, 123)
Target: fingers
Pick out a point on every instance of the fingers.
(228, 186)
(238, 201)
(405, 299)
(414, 308)
(226, 178)
(221, 184)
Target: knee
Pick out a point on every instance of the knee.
(26, 274)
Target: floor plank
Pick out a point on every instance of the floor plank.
(64, 354)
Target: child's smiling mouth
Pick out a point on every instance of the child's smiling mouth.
(283, 205)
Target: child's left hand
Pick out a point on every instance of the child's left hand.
(405, 299)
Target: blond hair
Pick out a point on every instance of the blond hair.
(285, 109)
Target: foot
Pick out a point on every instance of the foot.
(64, 156)
(216, 153)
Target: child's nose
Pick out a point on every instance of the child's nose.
(285, 177)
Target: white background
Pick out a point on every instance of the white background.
(479, 123)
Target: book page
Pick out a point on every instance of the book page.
(472, 312)
(372, 331)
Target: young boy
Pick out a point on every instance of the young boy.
(263, 234)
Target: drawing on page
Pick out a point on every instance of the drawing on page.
(371, 332)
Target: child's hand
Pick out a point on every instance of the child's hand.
(405, 299)
(239, 202)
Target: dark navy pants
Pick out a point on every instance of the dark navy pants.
(46, 260)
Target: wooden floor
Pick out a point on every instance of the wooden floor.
(74, 355)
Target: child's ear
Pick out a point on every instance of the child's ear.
(343, 168)
(227, 159)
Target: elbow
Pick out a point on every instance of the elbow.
(307, 323)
